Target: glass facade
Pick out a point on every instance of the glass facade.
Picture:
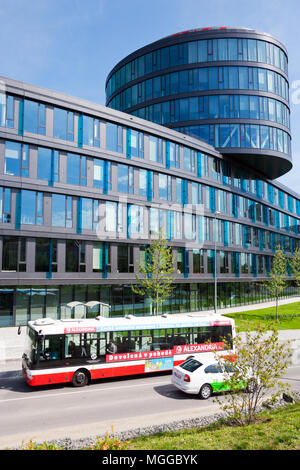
(84, 190)
(202, 79)
(231, 92)
(191, 52)
(217, 107)
(38, 301)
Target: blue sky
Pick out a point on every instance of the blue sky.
(71, 45)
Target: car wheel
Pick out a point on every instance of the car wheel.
(80, 378)
(205, 391)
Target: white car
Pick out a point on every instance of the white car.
(204, 376)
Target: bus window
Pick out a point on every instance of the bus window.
(75, 347)
(180, 336)
(72, 346)
(202, 335)
(122, 341)
(159, 340)
(146, 340)
(136, 341)
(51, 348)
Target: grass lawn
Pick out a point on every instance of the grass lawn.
(268, 315)
(276, 430)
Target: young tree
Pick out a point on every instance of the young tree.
(295, 266)
(156, 281)
(261, 361)
(277, 283)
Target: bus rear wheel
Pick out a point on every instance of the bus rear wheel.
(80, 378)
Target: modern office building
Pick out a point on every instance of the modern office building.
(199, 133)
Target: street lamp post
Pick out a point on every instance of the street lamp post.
(215, 255)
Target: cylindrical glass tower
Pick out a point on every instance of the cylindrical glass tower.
(226, 86)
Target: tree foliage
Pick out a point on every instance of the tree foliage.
(155, 279)
(255, 375)
(295, 266)
(277, 283)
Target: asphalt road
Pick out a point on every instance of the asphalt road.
(59, 411)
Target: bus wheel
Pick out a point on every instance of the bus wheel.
(80, 378)
(205, 391)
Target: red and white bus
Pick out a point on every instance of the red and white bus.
(77, 351)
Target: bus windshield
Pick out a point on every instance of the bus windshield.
(31, 346)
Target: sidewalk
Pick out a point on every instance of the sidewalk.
(11, 364)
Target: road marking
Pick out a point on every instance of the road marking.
(97, 390)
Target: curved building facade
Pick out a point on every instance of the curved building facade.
(226, 86)
(85, 188)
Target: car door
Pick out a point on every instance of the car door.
(214, 375)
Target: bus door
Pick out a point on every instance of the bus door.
(96, 345)
(85, 347)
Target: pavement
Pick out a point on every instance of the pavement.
(13, 366)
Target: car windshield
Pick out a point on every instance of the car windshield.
(191, 365)
(31, 346)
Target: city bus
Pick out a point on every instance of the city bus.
(81, 350)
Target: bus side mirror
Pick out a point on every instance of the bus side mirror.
(19, 330)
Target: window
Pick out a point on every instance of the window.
(216, 169)
(91, 131)
(101, 261)
(222, 201)
(125, 258)
(174, 224)
(34, 117)
(164, 187)
(125, 179)
(189, 159)
(14, 254)
(45, 255)
(180, 260)
(196, 193)
(190, 226)
(155, 149)
(32, 210)
(113, 217)
(174, 150)
(156, 220)
(62, 211)
(76, 169)
(16, 159)
(143, 182)
(63, 124)
(198, 261)
(179, 190)
(224, 262)
(89, 214)
(114, 137)
(244, 263)
(48, 164)
(213, 369)
(102, 174)
(6, 110)
(75, 256)
(5, 205)
(210, 261)
(136, 144)
(135, 220)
